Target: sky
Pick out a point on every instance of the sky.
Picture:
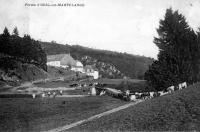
(117, 25)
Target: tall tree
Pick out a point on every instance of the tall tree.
(5, 43)
(15, 32)
(176, 42)
(196, 58)
(6, 32)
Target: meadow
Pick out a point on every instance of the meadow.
(52, 84)
(26, 114)
(118, 81)
(19, 112)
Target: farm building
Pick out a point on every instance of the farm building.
(91, 71)
(64, 60)
(77, 67)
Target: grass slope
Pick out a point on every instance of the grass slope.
(26, 114)
(14, 72)
(60, 72)
(179, 111)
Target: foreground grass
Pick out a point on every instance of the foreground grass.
(179, 111)
(24, 114)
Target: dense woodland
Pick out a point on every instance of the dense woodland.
(23, 49)
(132, 66)
(179, 53)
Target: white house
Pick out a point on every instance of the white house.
(54, 63)
(78, 67)
(90, 71)
(64, 60)
(95, 74)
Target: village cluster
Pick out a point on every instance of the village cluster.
(67, 62)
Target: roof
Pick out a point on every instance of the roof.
(65, 59)
(79, 64)
(57, 57)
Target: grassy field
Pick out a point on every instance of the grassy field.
(77, 92)
(179, 111)
(26, 114)
(52, 84)
(118, 81)
(5, 89)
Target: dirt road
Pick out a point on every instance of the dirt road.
(68, 126)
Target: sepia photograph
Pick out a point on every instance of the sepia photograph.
(99, 65)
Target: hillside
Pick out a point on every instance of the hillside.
(59, 72)
(14, 72)
(110, 64)
(179, 111)
(21, 58)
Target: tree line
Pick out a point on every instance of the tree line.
(24, 49)
(179, 53)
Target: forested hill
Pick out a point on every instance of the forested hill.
(21, 59)
(116, 64)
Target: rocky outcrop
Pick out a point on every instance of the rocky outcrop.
(106, 70)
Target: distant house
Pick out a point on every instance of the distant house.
(78, 67)
(60, 60)
(64, 60)
(91, 71)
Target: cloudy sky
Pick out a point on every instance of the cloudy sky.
(117, 25)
